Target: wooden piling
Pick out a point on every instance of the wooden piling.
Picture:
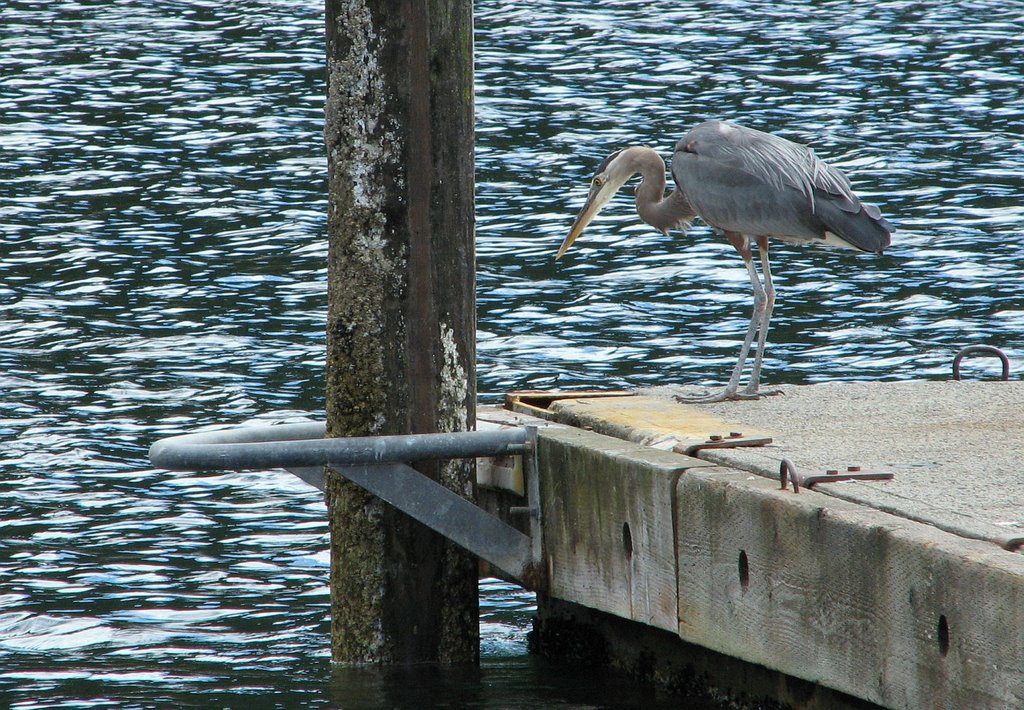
(401, 313)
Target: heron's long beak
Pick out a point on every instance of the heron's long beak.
(597, 199)
(577, 229)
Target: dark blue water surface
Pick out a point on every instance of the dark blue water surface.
(162, 268)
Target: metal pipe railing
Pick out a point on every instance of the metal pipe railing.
(299, 445)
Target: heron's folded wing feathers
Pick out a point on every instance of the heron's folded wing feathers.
(748, 179)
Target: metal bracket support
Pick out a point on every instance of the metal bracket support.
(787, 472)
(379, 464)
(717, 441)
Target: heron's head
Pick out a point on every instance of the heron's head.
(611, 174)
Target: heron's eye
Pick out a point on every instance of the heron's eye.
(598, 181)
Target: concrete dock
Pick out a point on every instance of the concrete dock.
(667, 533)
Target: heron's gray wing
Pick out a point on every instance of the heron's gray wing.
(776, 161)
(737, 201)
(753, 182)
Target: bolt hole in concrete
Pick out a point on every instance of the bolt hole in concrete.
(744, 569)
(627, 541)
(943, 635)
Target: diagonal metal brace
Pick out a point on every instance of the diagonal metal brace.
(449, 514)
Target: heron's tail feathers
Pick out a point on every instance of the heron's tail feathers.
(861, 225)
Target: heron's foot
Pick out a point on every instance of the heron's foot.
(756, 393)
(729, 394)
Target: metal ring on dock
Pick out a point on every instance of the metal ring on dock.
(981, 349)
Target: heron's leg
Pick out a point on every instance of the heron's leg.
(756, 316)
(742, 245)
(762, 328)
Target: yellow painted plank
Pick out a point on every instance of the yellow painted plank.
(654, 421)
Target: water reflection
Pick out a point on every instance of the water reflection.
(162, 254)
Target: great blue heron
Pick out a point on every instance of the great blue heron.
(751, 186)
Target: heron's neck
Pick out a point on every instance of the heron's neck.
(661, 212)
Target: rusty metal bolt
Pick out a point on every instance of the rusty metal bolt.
(832, 472)
(715, 437)
(853, 469)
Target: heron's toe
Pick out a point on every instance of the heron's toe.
(757, 393)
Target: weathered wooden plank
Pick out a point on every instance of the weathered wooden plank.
(886, 609)
(608, 524)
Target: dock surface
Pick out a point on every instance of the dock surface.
(954, 448)
(905, 593)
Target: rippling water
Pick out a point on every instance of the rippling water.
(919, 102)
(162, 254)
